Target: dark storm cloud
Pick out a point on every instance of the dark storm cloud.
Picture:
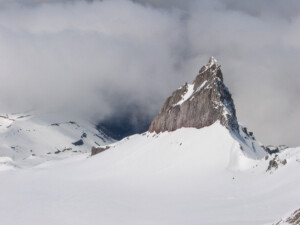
(99, 58)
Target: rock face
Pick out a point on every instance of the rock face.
(97, 150)
(199, 104)
(293, 219)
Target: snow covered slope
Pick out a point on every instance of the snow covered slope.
(179, 177)
(34, 134)
(195, 166)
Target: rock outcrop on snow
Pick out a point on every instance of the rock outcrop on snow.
(97, 150)
(203, 103)
(199, 104)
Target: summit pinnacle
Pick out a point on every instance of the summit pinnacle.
(199, 104)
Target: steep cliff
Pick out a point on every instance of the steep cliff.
(199, 104)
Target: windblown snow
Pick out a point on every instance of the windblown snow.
(188, 176)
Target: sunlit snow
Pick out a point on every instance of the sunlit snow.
(189, 176)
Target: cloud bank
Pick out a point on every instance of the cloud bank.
(101, 58)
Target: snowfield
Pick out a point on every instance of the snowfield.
(34, 136)
(187, 177)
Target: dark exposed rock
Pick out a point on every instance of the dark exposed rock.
(293, 219)
(66, 149)
(84, 135)
(78, 143)
(284, 162)
(199, 104)
(271, 149)
(96, 150)
(274, 149)
(275, 162)
(272, 164)
(246, 133)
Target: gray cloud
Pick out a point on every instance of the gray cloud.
(98, 58)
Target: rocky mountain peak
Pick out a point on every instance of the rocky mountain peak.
(212, 61)
(198, 104)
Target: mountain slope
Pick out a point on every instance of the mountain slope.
(211, 172)
(199, 104)
(36, 134)
(204, 102)
(178, 177)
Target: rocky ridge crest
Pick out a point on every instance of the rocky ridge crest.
(199, 104)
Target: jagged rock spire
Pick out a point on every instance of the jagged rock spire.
(212, 61)
(199, 104)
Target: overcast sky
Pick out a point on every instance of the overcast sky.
(97, 58)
